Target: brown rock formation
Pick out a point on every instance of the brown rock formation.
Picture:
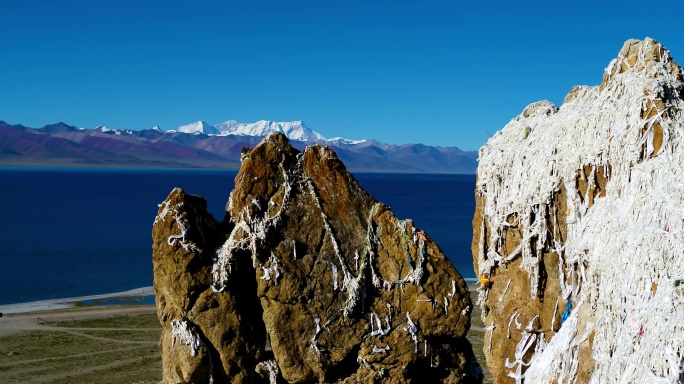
(309, 279)
(571, 235)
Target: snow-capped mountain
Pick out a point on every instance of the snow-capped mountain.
(199, 145)
(341, 140)
(107, 130)
(198, 127)
(294, 130)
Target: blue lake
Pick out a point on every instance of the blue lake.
(74, 232)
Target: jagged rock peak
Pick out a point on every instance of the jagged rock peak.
(576, 230)
(642, 56)
(307, 279)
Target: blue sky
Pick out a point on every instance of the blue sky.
(432, 72)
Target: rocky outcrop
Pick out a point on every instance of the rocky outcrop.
(578, 231)
(307, 279)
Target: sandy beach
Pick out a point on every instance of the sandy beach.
(69, 302)
(37, 315)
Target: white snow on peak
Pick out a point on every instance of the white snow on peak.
(106, 129)
(342, 140)
(198, 126)
(294, 130)
(156, 128)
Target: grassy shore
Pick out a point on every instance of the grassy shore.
(105, 345)
(114, 349)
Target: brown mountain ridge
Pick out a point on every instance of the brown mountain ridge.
(64, 145)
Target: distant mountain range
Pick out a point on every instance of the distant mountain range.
(201, 145)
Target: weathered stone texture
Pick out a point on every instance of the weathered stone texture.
(311, 273)
(572, 235)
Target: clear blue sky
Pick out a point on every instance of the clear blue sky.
(432, 72)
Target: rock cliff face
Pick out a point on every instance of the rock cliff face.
(307, 279)
(578, 231)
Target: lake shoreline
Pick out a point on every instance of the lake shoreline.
(70, 302)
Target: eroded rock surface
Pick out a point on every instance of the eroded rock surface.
(309, 279)
(578, 231)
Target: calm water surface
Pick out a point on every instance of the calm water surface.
(66, 232)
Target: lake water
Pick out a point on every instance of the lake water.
(74, 232)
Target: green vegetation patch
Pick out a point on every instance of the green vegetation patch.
(33, 345)
(142, 335)
(138, 321)
(125, 350)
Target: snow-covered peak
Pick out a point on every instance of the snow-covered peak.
(342, 140)
(198, 126)
(294, 130)
(107, 130)
(156, 128)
